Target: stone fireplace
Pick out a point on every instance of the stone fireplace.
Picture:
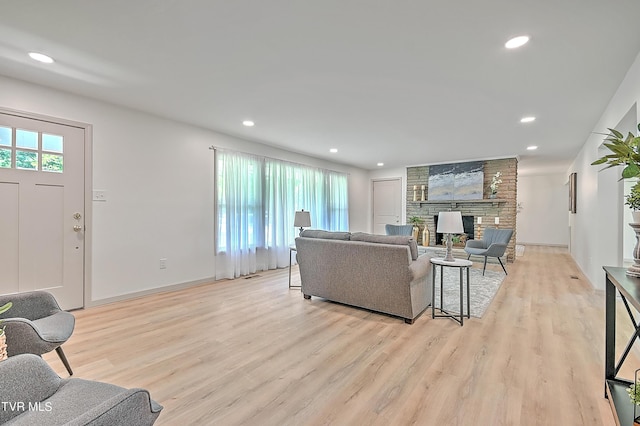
(501, 209)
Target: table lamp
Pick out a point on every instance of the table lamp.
(450, 223)
(302, 219)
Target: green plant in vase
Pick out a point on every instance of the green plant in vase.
(3, 339)
(623, 152)
(633, 201)
(495, 183)
(416, 222)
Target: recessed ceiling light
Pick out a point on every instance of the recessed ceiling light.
(516, 42)
(333, 150)
(527, 119)
(532, 148)
(380, 164)
(40, 57)
(248, 123)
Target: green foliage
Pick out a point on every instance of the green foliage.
(27, 160)
(5, 158)
(4, 308)
(633, 199)
(415, 220)
(634, 393)
(624, 152)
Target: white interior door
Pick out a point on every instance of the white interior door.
(387, 203)
(42, 209)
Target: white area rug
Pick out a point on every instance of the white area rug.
(482, 290)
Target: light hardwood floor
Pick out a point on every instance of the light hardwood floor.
(253, 352)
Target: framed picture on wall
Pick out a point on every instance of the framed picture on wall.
(573, 180)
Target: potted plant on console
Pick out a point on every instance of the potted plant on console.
(624, 151)
(633, 201)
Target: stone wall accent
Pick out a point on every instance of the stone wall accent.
(504, 206)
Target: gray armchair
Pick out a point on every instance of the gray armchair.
(493, 244)
(35, 324)
(398, 229)
(35, 395)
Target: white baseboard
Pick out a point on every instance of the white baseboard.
(542, 244)
(129, 296)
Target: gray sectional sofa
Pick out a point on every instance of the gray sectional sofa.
(381, 273)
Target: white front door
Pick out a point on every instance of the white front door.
(387, 203)
(42, 209)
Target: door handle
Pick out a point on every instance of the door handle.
(77, 228)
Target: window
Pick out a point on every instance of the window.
(28, 150)
(256, 203)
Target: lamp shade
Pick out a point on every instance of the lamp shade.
(302, 219)
(450, 223)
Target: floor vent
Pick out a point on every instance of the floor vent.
(574, 277)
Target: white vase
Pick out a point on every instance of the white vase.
(636, 216)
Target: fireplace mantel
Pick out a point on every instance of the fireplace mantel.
(455, 203)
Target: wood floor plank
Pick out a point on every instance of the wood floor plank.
(254, 352)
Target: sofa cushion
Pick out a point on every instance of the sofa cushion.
(326, 235)
(388, 239)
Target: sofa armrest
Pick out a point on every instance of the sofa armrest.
(131, 407)
(420, 267)
(26, 379)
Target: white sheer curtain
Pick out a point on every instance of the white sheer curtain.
(256, 203)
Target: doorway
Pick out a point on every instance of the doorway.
(43, 215)
(387, 203)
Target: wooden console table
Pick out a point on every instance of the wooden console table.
(617, 281)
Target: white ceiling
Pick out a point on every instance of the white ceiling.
(403, 82)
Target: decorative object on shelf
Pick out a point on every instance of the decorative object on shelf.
(495, 182)
(416, 222)
(426, 237)
(626, 152)
(634, 395)
(3, 338)
(423, 188)
(450, 223)
(302, 219)
(634, 270)
(415, 192)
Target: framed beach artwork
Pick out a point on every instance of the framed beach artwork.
(459, 181)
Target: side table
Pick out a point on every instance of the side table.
(292, 248)
(461, 264)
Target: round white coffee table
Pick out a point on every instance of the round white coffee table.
(461, 264)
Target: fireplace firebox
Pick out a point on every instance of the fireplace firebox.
(467, 224)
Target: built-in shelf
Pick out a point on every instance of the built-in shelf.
(454, 203)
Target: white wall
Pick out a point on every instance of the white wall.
(543, 218)
(158, 176)
(595, 221)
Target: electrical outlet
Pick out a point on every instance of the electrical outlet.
(163, 263)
